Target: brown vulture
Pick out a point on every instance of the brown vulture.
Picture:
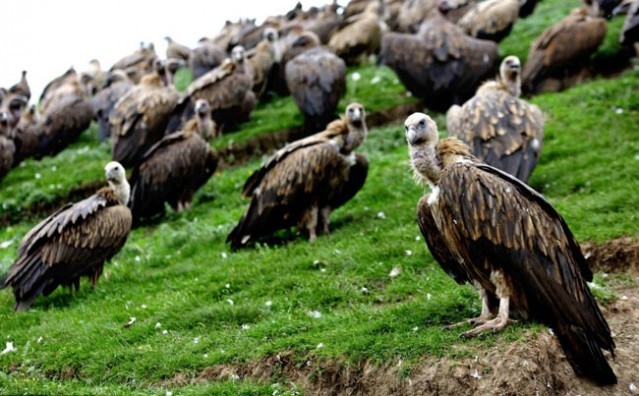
(490, 19)
(260, 60)
(174, 168)
(302, 183)
(205, 57)
(140, 118)
(289, 46)
(490, 229)
(66, 113)
(360, 37)
(21, 87)
(73, 242)
(7, 146)
(502, 130)
(116, 85)
(138, 64)
(176, 50)
(227, 88)
(562, 50)
(26, 135)
(439, 64)
(317, 80)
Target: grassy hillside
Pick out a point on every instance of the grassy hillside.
(175, 300)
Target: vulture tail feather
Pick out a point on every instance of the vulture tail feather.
(585, 355)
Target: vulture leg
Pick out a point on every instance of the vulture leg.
(324, 215)
(483, 318)
(310, 222)
(496, 324)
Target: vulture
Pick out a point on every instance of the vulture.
(140, 118)
(174, 168)
(360, 37)
(302, 183)
(73, 242)
(490, 19)
(501, 129)
(66, 113)
(317, 80)
(630, 32)
(260, 61)
(439, 64)
(26, 135)
(176, 50)
(289, 46)
(13, 104)
(490, 229)
(227, 88)
(21, 88)
(95, 78)
(562, 50)
(205, 57)
(7, 147)
(139, 63)
(116, 85)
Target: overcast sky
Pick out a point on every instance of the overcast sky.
(46, 37)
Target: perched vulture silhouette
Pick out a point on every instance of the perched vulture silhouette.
(501, 129)
(21, 87)
(360, 37)
(138, 64)
(175, 167)
(490, 19)
(629, 35)
(26, 135)
(488, 228)
(140, 118)
(66, 113)
(176, 50)
(317, 80)
(116, 86)
(562, 49)
(205, 57)
(73, 242)
(439, 64)
(7, 147)
(302, 183)
(227, 88)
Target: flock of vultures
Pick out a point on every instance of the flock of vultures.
(481, 221)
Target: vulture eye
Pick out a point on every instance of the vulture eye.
(422, 123)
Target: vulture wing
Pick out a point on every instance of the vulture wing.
(491, 19)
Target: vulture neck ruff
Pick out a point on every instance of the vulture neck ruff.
(122, 190)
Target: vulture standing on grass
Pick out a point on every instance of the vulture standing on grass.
(562, 50)
(302, 183)
(7, 146)
(289, 46)
(317, 80)
(26, 135)
(490, 19)
(439, 63)
(66, 113)
(116, 85)
(176, 50)
(73, 242)
(22, 87)
(175, 167)
(488, 228)
(361, 36)
(140, 118)
(501, 129)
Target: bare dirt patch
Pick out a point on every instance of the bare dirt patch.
(613, 256)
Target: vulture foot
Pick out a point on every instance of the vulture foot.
(480, 320)
(495, 325)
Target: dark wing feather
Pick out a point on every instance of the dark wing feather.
(499, 223)
(436, 244)
(63, 123)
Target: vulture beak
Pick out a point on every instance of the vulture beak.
(4, 118)
(357, 114)
(200, 107)
(411, 135)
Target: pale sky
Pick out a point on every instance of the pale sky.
(46, 37)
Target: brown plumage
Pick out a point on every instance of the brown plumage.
(562, 49)
(317, 80)
(94, 78)
(117, 85)
(73, 242)
(26, 135)
(138, 64)
(498, 233)
(175, 167)
(439, 63)
(140, 118)
(260, 61)
(225, 88)
(205, 57)
(7, 146)
(66, 113)
(501, 129)
(304, 181)
(53, 85)
(21, 87)
(176, 50)
(490, 19)
(412, 13)
(355, 7)
(360, 37)
(324, 24)
(294, 43)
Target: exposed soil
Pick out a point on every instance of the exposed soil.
(617, 255)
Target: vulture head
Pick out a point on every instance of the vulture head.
(357, 131)
(205, 125)
(355, 114)
(444, 7)
(510, 71)
(116, 177)
(237, 54)
(270, 34)
(115, 76)
(422, 137)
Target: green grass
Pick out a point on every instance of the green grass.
(330, 301)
